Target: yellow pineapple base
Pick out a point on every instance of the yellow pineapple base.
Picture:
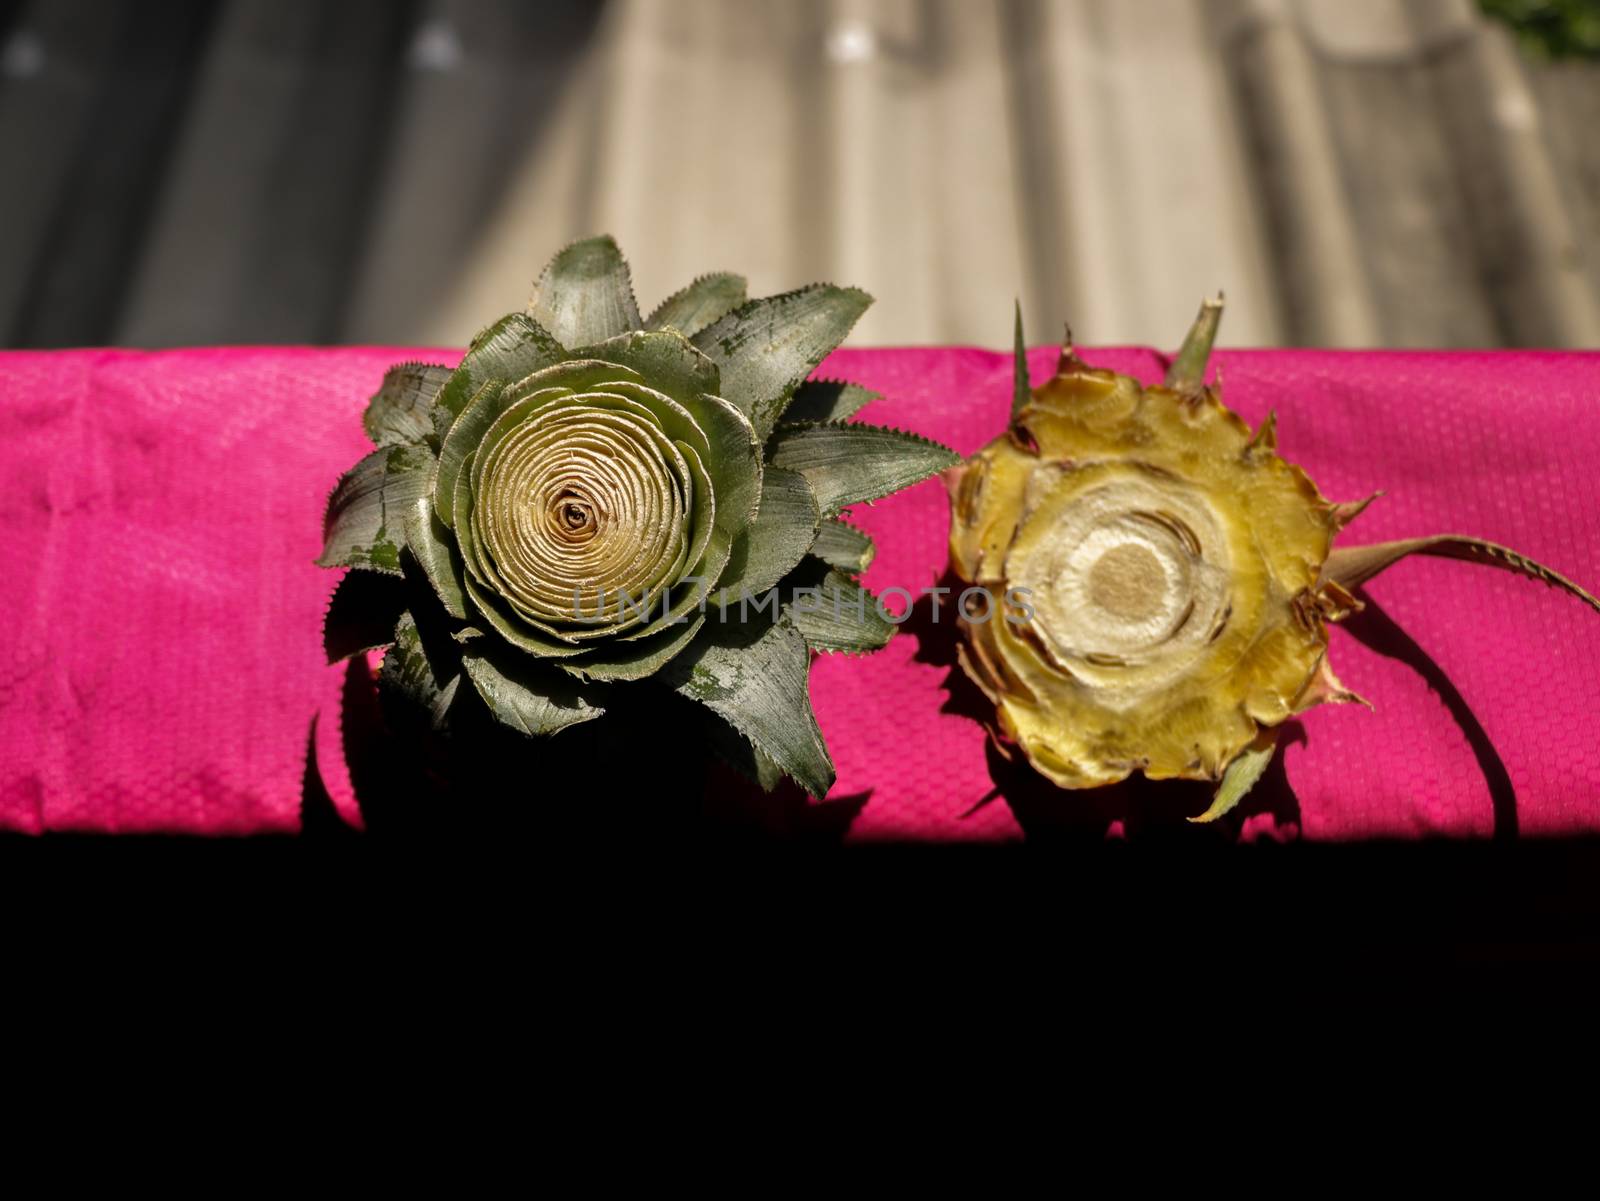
(1172, 562)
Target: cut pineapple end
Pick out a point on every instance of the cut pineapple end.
(1171, 562)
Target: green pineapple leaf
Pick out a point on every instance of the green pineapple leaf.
(424, 676)
(586, 295)
(645, 653)
(847, 464)
(841, 545)
(643, 658)
(827, 400)
(690, 379)
(705, 301)
(401, 411)
(577, 449)
(833, 612)
(524, 694)
(513, 347)
(429, 546)
(754, 676)
(511, 625)
(461, 444)
(736, 750)
(364, 525)
(663, 357)
(766, 348)
(769, 547)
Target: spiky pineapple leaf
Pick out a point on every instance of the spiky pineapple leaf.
(526, 695)
(703, 302)
(766, 347)
(769, 547)
(362, 614)
(429, 545)
(401, 411)
(513, 347)
(424, 683)
(827, 400)
(364, 525)
(1347, 511)
(847, 464)
(585, 295)
(833, 612)
(663, 359)
(841, 545)
(639, 660)
(494, 611)
(1241, 775)
(735, 461)
(1021, 386)
(754, 675)
(1352, 566)
(737, 751)
(461, 443)
(1188, 370)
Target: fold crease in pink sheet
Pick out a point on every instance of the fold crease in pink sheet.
(162, 651)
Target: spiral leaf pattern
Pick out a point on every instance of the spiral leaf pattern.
(577, 504)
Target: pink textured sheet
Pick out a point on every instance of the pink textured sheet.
(162, 655)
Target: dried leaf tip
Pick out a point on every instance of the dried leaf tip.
(1266, 435)
(1325, 688)
(1188, 370)
(1347, 511)
(1069, 360)
(1021, 389)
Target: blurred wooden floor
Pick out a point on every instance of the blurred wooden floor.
(1351, 172)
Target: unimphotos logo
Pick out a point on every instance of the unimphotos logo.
(976, 605)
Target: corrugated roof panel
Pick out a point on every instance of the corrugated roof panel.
(1350, 172)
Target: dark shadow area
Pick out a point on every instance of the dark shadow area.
(1146, 809)
(645, 772)
(1377, 631)
(737, 811)
(319, 817)
(1365, 918)
(621, 778)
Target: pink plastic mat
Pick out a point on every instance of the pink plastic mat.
(162, 654)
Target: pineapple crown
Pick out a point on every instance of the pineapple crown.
(593, 500)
